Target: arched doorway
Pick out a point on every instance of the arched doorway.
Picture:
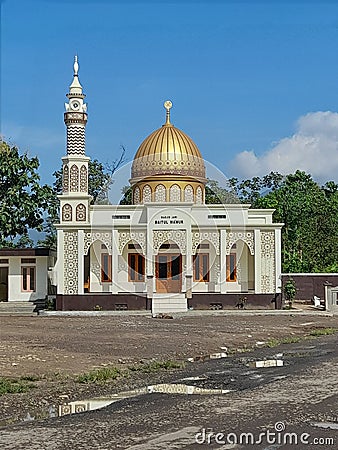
(169, 269)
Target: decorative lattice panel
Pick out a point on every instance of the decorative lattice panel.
(74, 178)
(67, 215)
(104, 236)
(199, 195)
(70, 252)
(188, 194)
(245, 236)
(81, 215)
(83, 179)
(268, 262)
(126, 236)
(212, 237)
(137, 196)
(65, 179)
(160, 193)
(179, 237)
(175, 193)
(146, 194)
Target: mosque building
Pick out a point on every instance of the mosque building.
(169, 251)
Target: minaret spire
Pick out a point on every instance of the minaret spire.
(75, 115)
(168, 105)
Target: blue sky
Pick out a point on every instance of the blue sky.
(255, 84)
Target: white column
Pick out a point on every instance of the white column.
(150, 263)
(80, 261)
(278, 260)
(187, 285)
(223, 261)
(258, 271)
(115, 261)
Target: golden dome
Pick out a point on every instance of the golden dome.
(168, 151)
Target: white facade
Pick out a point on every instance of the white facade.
(168, 246)
(24, 274)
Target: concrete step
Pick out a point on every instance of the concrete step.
(17, 307)
(169, 303)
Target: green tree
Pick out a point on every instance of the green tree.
(308, 235)
(23, 200)
(215, 194)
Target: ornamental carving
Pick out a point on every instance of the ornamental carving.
(175, 193)
(160, 193)
(179, 237)
(67, 213)
(268, 262)
(212, 237)
(81, 215)
(104, 236)
(199, 195)
(76, 139)
(146, 194)
(70, 252)
(74, 178)
(245, 236)
(83, 179)
(65, 179)
(137, 236)
(188, 194)
(137, 196)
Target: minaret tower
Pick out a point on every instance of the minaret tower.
(74, 201)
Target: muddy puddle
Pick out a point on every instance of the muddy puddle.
(100, 402)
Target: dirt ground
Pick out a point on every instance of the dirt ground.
(53, 349)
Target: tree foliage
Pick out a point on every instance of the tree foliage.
(23, 200)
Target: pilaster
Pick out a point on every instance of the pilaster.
(258, 267)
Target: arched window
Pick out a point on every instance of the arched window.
(188, 194)
(80, 213)
(199, 195)
(65, 180)
(146, 194)
(67, 215)
(160, 193)
(175, 193)
(83, 179)
(74, 178)
(137, 196)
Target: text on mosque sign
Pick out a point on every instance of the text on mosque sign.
(169, 220)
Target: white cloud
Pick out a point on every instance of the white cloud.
(313, 148)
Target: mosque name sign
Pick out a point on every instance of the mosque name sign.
(169, 220)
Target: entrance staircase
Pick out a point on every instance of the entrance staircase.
(169, 303)
(21, 308)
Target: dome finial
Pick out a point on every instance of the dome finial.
(76, 66)
(168, 105)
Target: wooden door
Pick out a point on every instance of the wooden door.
(3, 284)
(168, 273)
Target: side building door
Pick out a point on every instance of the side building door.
(3, 284)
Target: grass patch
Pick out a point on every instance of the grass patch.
(323, 332)
(155, 366)
(11, 386)
(272, 343)
(107, 374)
(30, 378)
(291, 340)
(100, 375)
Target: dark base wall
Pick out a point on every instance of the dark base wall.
(106, 302)
(310, 285)
(234, 301)
(133, 302)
